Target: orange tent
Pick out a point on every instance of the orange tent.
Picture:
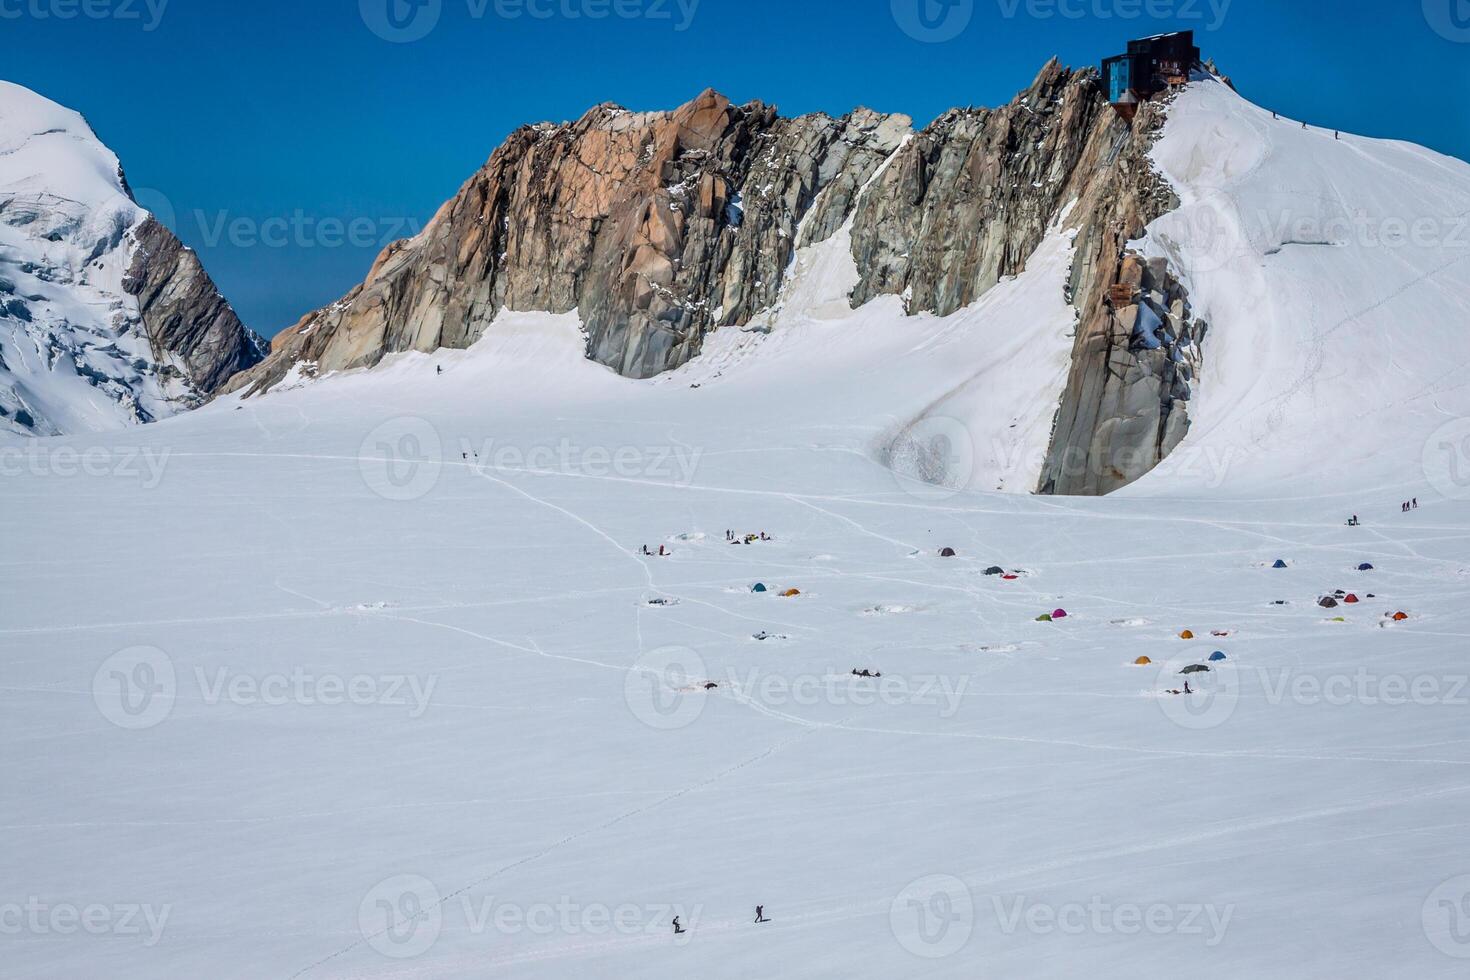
(790, 592)
(1142, 662)
(1399, 617)
(1186, 635)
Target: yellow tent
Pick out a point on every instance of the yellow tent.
(1142, 662)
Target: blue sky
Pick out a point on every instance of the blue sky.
(288, 141)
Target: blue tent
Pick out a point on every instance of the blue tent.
(1217, 655)
(1365, 567)
(1279, 564)
(758, 587)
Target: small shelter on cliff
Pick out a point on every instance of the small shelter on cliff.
(1150, 66)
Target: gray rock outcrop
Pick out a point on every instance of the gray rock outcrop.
(660, 227)
(187, 321)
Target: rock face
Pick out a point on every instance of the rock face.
(660, 227)
(105, 318)
(186, 318)
(1124, 407)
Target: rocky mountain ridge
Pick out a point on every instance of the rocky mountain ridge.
(660, 227)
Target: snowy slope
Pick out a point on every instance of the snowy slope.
(521, 767)
(73, 354)
(1335, 275)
